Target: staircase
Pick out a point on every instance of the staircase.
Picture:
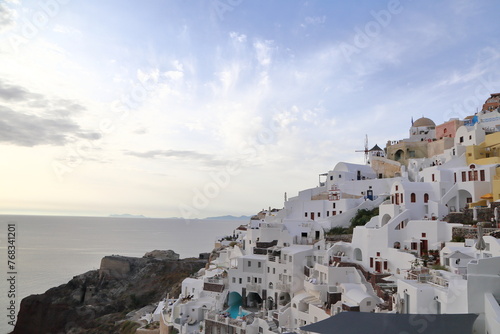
(272, 326)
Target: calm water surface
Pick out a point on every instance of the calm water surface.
(51, 250)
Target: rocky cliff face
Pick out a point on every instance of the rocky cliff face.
(93, 302)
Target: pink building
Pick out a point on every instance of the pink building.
(448, 129)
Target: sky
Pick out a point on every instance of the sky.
(205, 108)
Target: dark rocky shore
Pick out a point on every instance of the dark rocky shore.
(99, 300)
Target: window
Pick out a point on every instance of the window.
(249, 263)
(461, 139)
(260, 280)
(268, 269)
(333, 205)
(331, 177)
(234, 279)
(464, 177)
(433, 177)
(481, 175)
(413, 198)
(397, 187)
(328, 213)
(319, 214)
(455, 177)
(259, 264)
(334, 213)
(249, 279)
(241, 280)
(305, 214)
(424, 235)
(274, 270)
(426, 198)
(378, 253)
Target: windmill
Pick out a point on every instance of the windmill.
(365, 150)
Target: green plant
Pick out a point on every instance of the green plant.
(362, 217)
(129, 327)
(337, 230)
(458, 238)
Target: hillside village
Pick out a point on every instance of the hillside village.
(430, 246)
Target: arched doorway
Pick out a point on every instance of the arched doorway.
(358, 255)
(284, 298)
(385, 219)
(399, 155)
(254, 300)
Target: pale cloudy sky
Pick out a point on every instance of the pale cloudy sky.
(203, 108)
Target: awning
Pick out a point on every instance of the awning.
(487, 196)
(381, 323)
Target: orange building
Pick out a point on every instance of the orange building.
(492, 103)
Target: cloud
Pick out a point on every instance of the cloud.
(206, 159)
(6, 18)
(30, 119)
(66, 30)
(15, 93)
(31, 130)
(263, 50)
(314, 20)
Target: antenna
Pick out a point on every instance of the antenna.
(365, 150)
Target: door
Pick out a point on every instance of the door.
(424, 244)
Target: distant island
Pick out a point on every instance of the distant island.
(226, 217)
(229, 217)
(127, 215)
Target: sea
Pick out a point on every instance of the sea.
(49, 250)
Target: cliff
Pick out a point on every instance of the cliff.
(96, 302)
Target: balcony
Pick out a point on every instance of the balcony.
(433, 278)
(222, 318)
(314, 285)
(214, 284)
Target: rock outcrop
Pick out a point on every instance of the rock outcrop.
(96, 301)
